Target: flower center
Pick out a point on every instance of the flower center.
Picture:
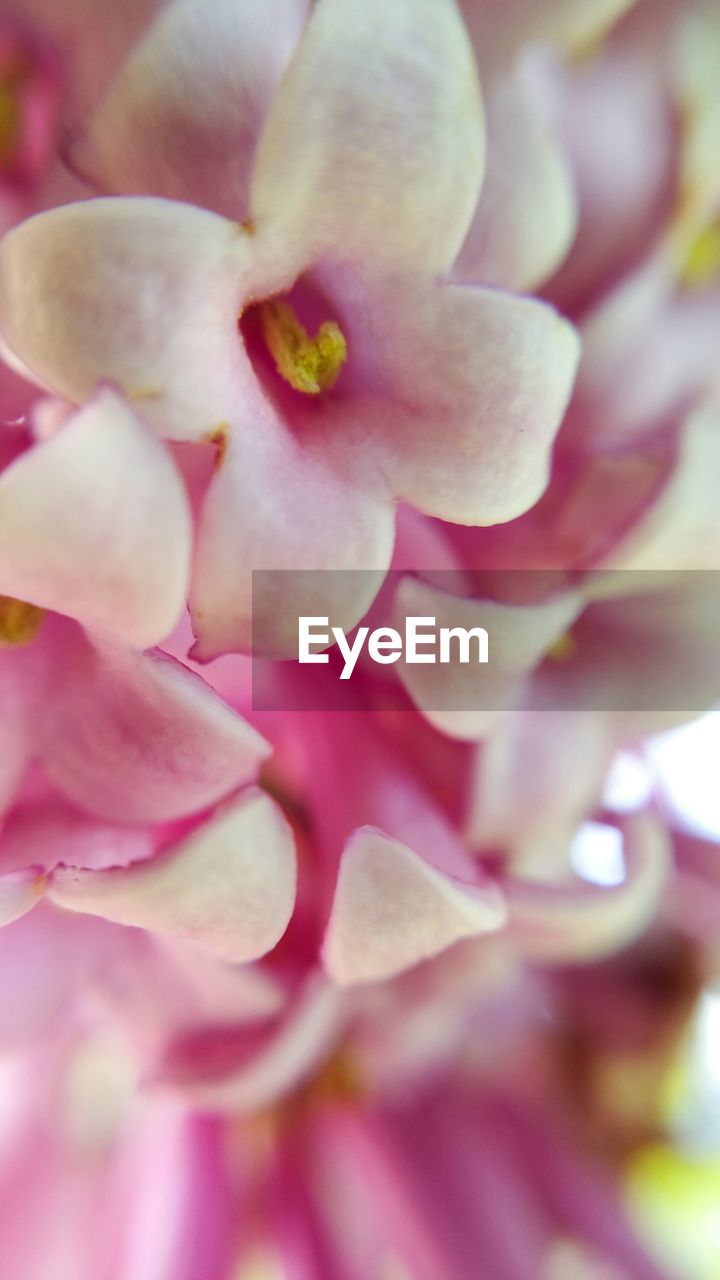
(309, 365)
(19, 622)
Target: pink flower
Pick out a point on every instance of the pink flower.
(94, 523)
(361, 194)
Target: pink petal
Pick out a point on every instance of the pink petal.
(292, 510)
(141, 292)
(16, 723)
(697, 94)
(304, 1038)
(94, 523)
(681, 529)
(46, 958)
(229, 887)
(539, 774)
(140, 738)
(392, 910)
(184, 115)
(615, 121)
(566, 923)
(373, 150)
(464, 700)
(499, 30)
(19, 891)
(43, 829)
(461, 391)
(526, 216)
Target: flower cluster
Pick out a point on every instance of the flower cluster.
(361, 310)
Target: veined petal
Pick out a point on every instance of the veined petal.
(466, 388)
(584, 923)
(289, 510)
(94, 523)
(183, 117)
(392, 910)
(140, 738)
(144, 293)
(373, 149)
(229, 887)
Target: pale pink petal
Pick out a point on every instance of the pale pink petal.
(90, 41)
(145, 293)
(290, 510)
(461, 392)
(392, 910)
(697, 93)
(562, 923)
(373, 149)
(500, 28)
(464, 700)
(229, 887)
(526, 216)
(46, 958)
(303, 1039)
(95, 523)
(537, 775)
(184, 115)
(615, 122)
(140, 738)
(19, 891)
(681, 529)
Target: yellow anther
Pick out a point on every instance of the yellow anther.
(310, 365)
(702, 263)
(19, 622)
(9, 122)
(12, 77)
(563, 649)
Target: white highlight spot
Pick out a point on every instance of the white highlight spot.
(596, 854)
(629, 783)
(686, 763)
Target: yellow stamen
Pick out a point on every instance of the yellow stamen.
(12, 76)
(19, 622)
(563, 649)
(310, 365)
(702, 264)
(9, 122)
